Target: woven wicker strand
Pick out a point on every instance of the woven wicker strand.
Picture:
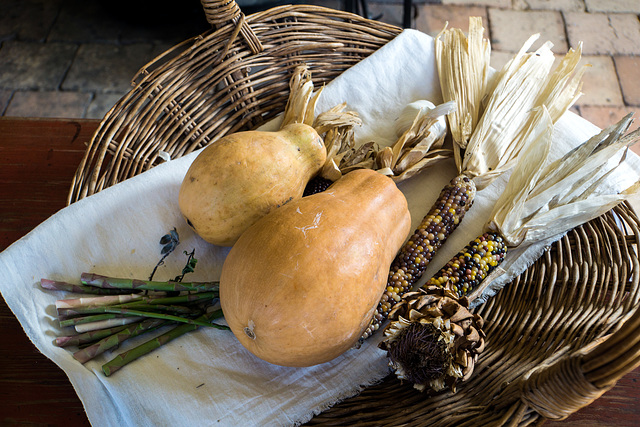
(233, 77)
(558, 336)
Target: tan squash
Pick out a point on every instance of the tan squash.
(301, 285)
(238, 179)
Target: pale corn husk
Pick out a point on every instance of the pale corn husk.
(545, 199)
(417, 148)
(422, 129)
(463, 69)
(524, 84)
(496, 138)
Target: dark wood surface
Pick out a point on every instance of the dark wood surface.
(38, 159)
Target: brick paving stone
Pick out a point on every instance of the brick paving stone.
(563, 5)
(171, 23)
(81, 21)
(101, 104)
(432, 18)
(27, 19)
(628, 69)
(5, 96)
(632, 6)
(489, 3)
(56, 104)
(600, 83)
(511, 28)
(603, 116)
(106, 68)
(34, 65)
(604, 34)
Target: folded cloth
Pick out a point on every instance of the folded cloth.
(206, 377)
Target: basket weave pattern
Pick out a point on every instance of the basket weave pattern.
(234, 77)
(558, 336)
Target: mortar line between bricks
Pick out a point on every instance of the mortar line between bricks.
(66, 72)
(47, 39)
(6, 107)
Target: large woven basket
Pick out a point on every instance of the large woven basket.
(559, 335)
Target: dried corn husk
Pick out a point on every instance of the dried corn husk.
(422, 130)
(543, 199)
(493, 119)
(463, 68)
(524, 84)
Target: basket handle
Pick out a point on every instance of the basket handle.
(568, 382)
(223, 12)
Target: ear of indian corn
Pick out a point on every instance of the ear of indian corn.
(407, 268)
(541, 201)
(469, 267)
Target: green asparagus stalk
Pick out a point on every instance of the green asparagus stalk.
(90, 319)
(118, 311)
(54, 285)
(87, 337)
(129, 356)
(181, 299)
(68, 313)
(107, 343)
(106, 323)
(96, 301)
(90, 279)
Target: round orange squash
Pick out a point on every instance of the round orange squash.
(300, 286)
(238, 179)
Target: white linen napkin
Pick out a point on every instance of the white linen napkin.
(206, 377)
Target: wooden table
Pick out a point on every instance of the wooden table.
(37, 161)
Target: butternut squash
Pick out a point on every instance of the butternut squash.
(238, 179)
(301, 285)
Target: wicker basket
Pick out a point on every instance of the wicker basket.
(559, 335)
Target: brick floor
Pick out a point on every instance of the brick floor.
(5, 96)
(632, 6)
(54, 53)
(628, 68)
(33, 65)
(604, 34)
(110, 68)
(432, 18)
(600, 83)
(562, 5)
(510, 29)
(57, 104)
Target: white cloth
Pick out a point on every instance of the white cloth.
(206, 377)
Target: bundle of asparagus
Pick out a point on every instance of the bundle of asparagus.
(434, 339)
(106, 311)
(119, 309)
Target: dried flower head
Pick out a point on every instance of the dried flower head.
(433, 340)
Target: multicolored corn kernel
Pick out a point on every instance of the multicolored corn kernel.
(412, 260)
(315, 185)
(465, 271)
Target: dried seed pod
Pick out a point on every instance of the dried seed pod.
(433, 351)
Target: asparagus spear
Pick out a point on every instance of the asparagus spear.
(107, 343)
(129, 356)
(105, 282)
(86, 337)
(55, 285)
